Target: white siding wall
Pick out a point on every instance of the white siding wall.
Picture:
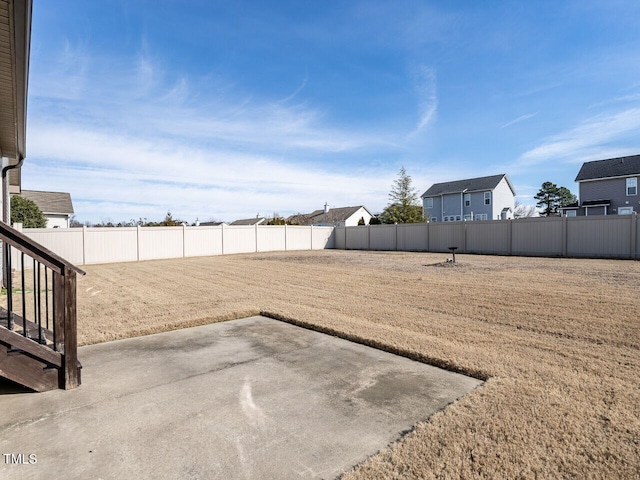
(502, 198)
(57, 221)
(353, 220)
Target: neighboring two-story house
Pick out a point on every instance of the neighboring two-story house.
(484, 198)
(607, 187)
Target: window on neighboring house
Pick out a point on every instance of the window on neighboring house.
(481, 216)
(467, 199)
(445, 219)
(632, 186)
(487, 198)
(433, 219)
(428, 203)
(457, 218)
(467, 218)
(570, 213)
(625, 210)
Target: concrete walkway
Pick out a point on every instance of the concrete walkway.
(252, 398)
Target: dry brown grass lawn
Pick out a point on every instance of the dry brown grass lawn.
(557, 339)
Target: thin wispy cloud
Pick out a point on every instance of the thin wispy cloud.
(225, 112)
(426, 87)
(580, 142)
(521, 118)
(296, 91)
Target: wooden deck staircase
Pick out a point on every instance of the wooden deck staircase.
(38, 324)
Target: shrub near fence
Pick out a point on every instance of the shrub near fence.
(611, 236)
(107, 245)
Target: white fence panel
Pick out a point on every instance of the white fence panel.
(603, 236)
(357, 238)
(107, 245)
(156, 243)
(383, 237)
(298, 238)
(537, 236)
(203, 241)
(412, 237)
(488, 237)
(239, 239)
(443, 235)
(271, 238)
(323, 237)
(66, 242)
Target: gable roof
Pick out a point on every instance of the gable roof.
(612, 167)
(249, 221)
(334, 215)
(50, 202)
(469, 185)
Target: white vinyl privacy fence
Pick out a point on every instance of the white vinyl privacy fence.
(612, 236)
(82, 246)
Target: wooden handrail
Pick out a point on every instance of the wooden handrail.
(64, 315)
(43, 255)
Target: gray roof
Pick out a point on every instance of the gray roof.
(317, 217)
(469, 185)
(249, 221)
(612, 167)
(50, 202)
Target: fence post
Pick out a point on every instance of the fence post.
(634, 235)
(396, 225)
(222, 237)
(311, 229)
(510, 235)
(368, 237)
(564, 235)
(464, 236)
(84, 244)
(286, 233)
(427, 233)
(184, 240)
(138, 228)
(256, 237)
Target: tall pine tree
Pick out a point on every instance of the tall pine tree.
(404, 205)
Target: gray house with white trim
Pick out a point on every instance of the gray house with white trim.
(607, 187)
(482, 198)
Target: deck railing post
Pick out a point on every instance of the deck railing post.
(70, 358)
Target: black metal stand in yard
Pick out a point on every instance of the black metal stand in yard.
(453, 253)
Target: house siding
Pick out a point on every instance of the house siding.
(613, 189)
(452, 204)
(502, 198)
(353, 220)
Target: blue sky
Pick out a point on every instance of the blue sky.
(225, 110)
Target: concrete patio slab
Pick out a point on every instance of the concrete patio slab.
(253, 398)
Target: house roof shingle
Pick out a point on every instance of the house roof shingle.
(611, 167)
(334, 215)
(50, 202)
(470, 185)
(249, 221)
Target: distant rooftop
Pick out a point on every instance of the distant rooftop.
(249, 221)
(468, 185)
(50, 202)
(612, 167)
